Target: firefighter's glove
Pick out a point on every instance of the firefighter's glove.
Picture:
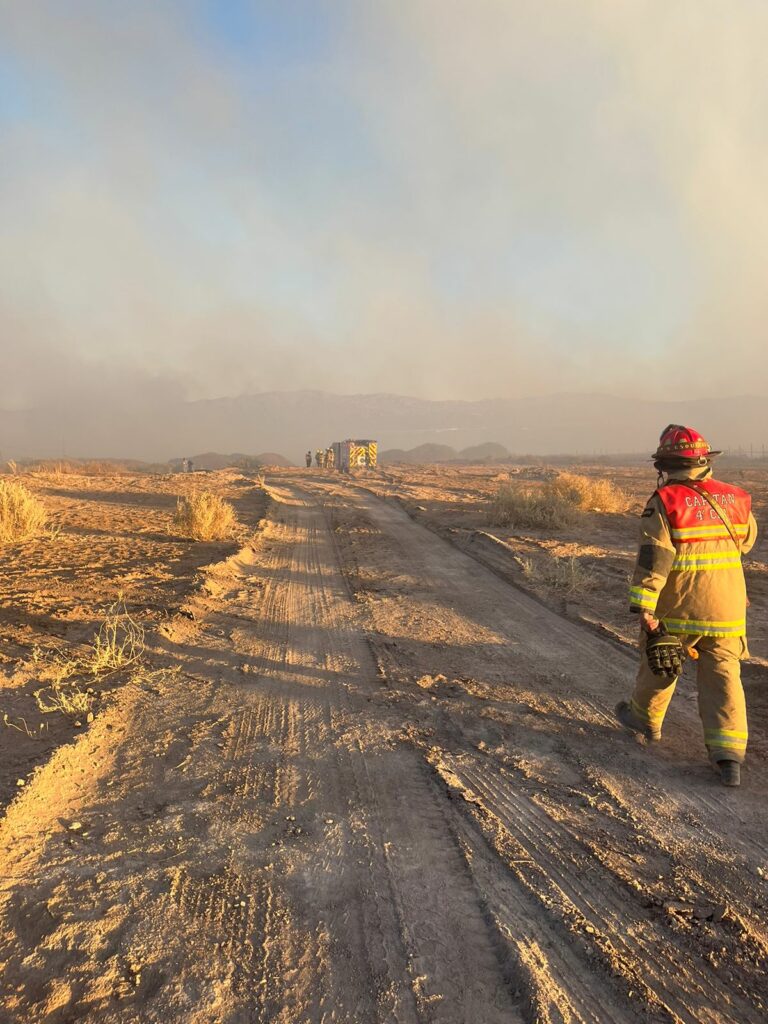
(665, 655)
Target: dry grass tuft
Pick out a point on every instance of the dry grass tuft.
(68, 698)
(588, 493)
(22, 515)
(204, 516)
(537, 507)
(566, 575)
(118, 643)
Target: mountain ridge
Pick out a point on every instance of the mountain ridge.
(295, 421)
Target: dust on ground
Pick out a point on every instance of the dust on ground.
(367, 778)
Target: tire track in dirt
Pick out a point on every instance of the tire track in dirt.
(632, 942)
(416, 846)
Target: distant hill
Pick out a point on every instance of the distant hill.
(295, 421)
(425, 453)
(273, 459)
(488, 452)
(421, 453)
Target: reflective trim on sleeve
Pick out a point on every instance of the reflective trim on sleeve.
(643, 598)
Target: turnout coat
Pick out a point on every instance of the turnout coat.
(688, 571)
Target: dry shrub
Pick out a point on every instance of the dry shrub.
(556, 503)
(567, 575)
(22, 515)
(586, 492)
(538, 507)
(204, 516)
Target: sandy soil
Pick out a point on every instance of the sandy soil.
(114, 537)
(369, 779)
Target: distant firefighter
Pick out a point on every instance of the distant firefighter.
(330, 458)
(308, 457)
(320, 457)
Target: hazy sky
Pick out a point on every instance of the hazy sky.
(447, 198)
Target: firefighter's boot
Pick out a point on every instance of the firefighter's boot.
(730, 773)
(627, 717)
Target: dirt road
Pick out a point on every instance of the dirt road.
(374, 783)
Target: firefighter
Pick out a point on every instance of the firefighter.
(688, 589)
(308, 457)
(330, 458)
(320, 457)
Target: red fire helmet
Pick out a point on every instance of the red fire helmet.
(678, 442)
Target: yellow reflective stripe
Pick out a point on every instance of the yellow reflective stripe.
(741, 527)
(736, 734)
(708, 531)
(683, 565)
(701, 627)
(707, 622)
(709, 556)
(726, 743)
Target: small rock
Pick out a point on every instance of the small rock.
(329, 821)
(710, 911)
(21, 782)
(676, 907)
(75, 826)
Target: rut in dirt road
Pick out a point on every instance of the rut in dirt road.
(372, 786)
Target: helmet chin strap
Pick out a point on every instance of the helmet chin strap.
(666, 469)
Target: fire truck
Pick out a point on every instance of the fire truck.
(351, 454)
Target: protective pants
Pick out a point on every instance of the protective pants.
(722, 707)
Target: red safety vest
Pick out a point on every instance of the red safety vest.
(692, 518)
